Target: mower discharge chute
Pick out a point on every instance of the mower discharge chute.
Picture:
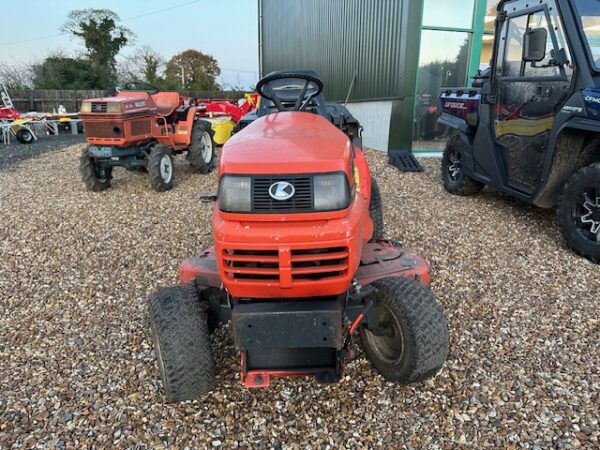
(142, 129)
(299, 265)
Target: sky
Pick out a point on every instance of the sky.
(225, 29)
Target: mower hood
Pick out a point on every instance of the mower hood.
(287, 143)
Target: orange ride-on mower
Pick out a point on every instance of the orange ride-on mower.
(142, 129)
(299, 265)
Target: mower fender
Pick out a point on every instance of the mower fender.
(204, 266)
(384, 259)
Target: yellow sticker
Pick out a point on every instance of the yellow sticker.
(356, 179)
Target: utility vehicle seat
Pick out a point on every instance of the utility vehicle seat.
(166, 102)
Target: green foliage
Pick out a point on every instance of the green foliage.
(103, 38)
(199, 71)
(59, 72)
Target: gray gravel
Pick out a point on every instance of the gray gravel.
(77, 367)
(15, 152)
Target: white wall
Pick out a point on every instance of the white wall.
(375, 119)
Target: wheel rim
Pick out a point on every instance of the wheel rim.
(390, 347)
(206, 143)
(101, 174)
(455, 166)
(166, 168)
(586, 214)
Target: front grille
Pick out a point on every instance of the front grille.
(102, 129)
(99, 107)
(302, 201)
(252, 264)
(268, 265)
(316, 264)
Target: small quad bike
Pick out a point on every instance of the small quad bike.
(530, 125)
(299, 265)
(142, 129)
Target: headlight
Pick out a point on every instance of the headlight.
(235, 193)
(86, 107)
(331, 192)
(114, 107)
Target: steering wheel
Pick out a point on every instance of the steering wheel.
(265, 89)
(135, 87)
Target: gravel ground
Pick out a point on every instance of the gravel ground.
(78, 368)
(15, 152)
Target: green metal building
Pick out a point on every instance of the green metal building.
(388, 58)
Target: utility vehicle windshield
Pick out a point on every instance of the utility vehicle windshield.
(589, 11)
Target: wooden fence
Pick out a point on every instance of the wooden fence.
(46, 100)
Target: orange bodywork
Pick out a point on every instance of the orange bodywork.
(135, 118)
(276, 247)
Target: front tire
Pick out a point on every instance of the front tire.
(453, 174)
(24, 136)
(579, 212)
(181, 340)
(376, 211)
(95, 178)
(161, 168)
(414, 342)
(201, 152)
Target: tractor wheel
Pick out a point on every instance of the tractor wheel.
(201, 152)
(579, 212)
(376, 211)
(24, 136)
(181, 341)
(161, 168)
(95, 178)
(412, 341)
(453, 175)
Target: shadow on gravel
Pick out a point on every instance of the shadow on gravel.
(14, 153)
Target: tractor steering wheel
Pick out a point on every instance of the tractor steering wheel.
(141, 86)
(290, 91)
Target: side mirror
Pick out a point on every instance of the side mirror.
(534, 44)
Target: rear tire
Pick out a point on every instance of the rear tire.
(376, 211)
(24, 136)
(453, 175)
(180, 335)
(161, 168)
(201, 152)
(579, 212)
(417, 345)
(95, 178)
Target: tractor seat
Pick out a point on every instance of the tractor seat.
(166, 102)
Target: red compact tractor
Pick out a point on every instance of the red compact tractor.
(299, 264)
(142, 129)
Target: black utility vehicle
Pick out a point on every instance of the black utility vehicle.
(530, 126)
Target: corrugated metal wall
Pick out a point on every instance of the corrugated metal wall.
(336, 38)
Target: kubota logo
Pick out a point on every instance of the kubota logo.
(282, 190)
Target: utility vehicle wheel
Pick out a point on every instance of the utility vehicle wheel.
(376, 211)
(201, 152)
(411, 343)
(24, 136)
(161, 168)
(95, 178)
(180, 335)
(579, 212)
(455, 180)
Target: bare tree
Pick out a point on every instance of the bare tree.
(16, 76)
(144, 64)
